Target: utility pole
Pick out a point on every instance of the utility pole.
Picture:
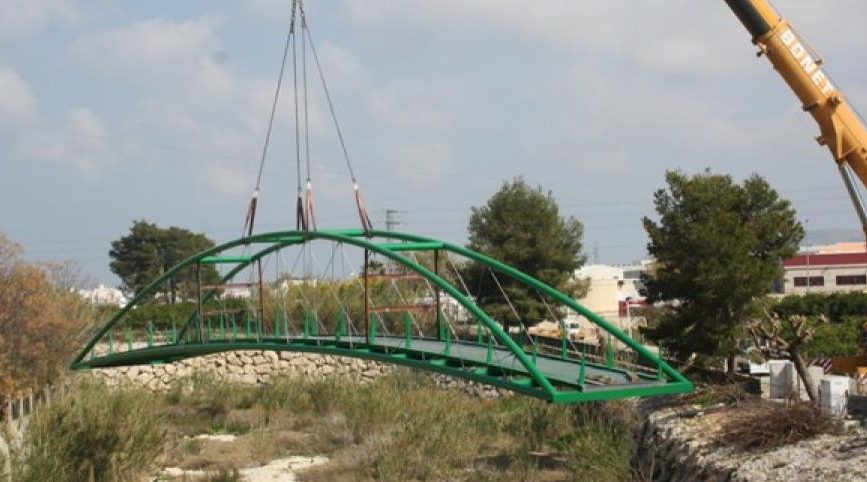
(391, 219)
(391, 222)
(806, 222)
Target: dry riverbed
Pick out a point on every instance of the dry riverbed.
(207, 456)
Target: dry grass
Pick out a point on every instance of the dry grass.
(95, 434)
(402, 427)
(398, 428)
(765, 425)
(714, 394)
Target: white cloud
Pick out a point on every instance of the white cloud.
(227, 181)
(424, 164)
(172, 54)
(652, 34)
(269, 9)
(183, 92)
(828, 25)
(18, 103)
(339, 64)
(80, 143)
(214, 76)
(22, 17)
(407, 102)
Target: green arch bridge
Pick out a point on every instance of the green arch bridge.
(562, 373)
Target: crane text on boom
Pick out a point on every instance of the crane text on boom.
(807, 62)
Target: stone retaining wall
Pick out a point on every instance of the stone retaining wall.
(667, 453)
(256, 367)
(677, 444)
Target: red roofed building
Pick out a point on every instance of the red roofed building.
(825, 270)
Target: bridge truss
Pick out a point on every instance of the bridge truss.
(408, 306)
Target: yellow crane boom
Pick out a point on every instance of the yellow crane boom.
(842, 130)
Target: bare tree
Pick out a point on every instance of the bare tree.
(783, 338)
(67, 275)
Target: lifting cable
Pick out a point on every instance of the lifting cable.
(359, 198)
(305, 207)
(300, 214)
(310, 210)
(251, 209)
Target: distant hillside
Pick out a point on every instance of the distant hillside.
(831, 236)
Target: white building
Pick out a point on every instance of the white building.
(614, 292)
(104, 295)
(826, 269)
(611, 288)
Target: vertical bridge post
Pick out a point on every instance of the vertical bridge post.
(261, 301)
(366, 299)
(439, 317)
(199, 314)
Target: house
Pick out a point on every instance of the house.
(104, 295)
(826, 269)
(614, 291)
(611, 288)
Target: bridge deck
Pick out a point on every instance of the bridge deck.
(461, 356)
(557, 379)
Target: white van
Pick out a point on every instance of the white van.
(573, 329)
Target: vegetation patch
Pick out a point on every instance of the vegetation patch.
(42, 321)
(400, 427)
(94, 434)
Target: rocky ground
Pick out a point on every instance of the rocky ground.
(211, 449)
(687, 435)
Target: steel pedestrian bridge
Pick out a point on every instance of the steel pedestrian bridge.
(445, 331)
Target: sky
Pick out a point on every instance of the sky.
(112, 111)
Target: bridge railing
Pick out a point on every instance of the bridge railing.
(405, 297)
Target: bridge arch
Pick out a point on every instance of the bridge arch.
(498, 360)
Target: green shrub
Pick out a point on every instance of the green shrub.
(836, 339)
(96, 433)
(835, 306)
